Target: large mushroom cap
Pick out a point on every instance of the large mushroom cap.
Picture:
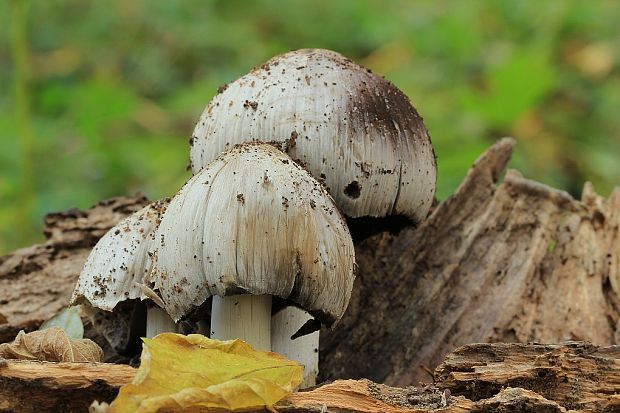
(350, 127)
(255, 222)
(118, 263)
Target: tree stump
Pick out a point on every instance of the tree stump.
(514, 262)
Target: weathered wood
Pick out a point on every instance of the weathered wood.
(575, 375)
(38, 386)
(364, 396)
(28, 386)
(512, 400)
(37, 281)
(516, 262)
(479, 378)
(513, 262)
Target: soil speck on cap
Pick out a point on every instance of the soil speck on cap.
(222, 88)
(292, 141)
(353, 190)
(248, 104)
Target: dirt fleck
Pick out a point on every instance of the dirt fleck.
(292, 141)
(353, 190)
(250, 104)
(241, 199)
(222, 88)
(364, 167)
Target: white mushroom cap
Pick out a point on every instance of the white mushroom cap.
(116, 266)
(255, 222)
(348, 126)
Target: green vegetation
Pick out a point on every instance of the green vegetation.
(98, 98)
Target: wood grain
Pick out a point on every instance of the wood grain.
(514, 262)
(500, 377)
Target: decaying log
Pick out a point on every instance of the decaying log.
(27, 386)
(516, 262)
(39, 386)
(576, 377)
(36, 282)
(513, 262)
(364, 396)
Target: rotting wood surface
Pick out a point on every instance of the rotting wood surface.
(498, 377)
(513, 262)
(576, 375)
(36, 282)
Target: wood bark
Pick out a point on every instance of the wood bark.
(515, 262)
(36, 282)
(575, 375)
(39, 386)
(500, 377)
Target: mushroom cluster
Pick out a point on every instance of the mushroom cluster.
(256, 230)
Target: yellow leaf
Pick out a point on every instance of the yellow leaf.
(193, 373)
(51, 344)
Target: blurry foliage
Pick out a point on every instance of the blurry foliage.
(99, 98)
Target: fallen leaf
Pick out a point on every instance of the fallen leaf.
(69, 320)
(52, 344)
(3, 319)
(191, 373)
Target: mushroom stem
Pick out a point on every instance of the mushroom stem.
(305, 349)
(245, 316)
(158, 321)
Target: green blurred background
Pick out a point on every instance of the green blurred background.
(98, 98)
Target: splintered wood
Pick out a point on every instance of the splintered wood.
(37, 281)
(576, 375)
(479, 378)
(516, 262)
(39, 386)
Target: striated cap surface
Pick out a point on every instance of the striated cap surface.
(119, 261)
(253, 221)
(351, 128)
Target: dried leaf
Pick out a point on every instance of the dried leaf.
(3, 319)
(191, 373)
(69, 320)
(51, 344)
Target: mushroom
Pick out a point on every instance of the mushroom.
(349, 127)
(250, 226)
(115, 268)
